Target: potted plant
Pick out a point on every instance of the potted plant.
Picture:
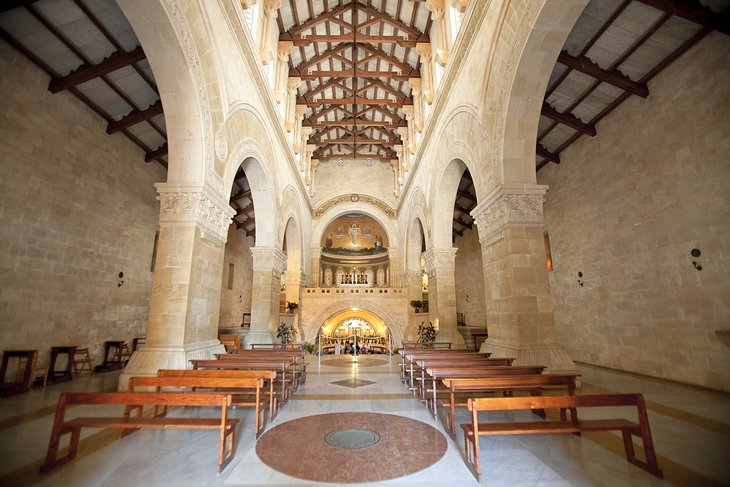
(291, 307)
(309, 347)
(418, 305)
(285, 333)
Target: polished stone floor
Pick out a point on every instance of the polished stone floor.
(691, 429)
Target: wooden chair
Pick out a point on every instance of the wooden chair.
(22, 361)
(82, 361)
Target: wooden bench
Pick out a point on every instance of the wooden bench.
(62, 426)
(267, 375)
(410, 358)
(505, 384)
(300, 355)
(295, 366)
(421, 364)
(281, 367)
(407, 354)
(574, 425)
(245, 392)
(231, 342)
(439, 372)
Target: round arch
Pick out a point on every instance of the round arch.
(319, 226)
(345, 304)
(445, 195)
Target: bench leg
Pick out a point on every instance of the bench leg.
(651, 464)
(52, 460)
(227, 447)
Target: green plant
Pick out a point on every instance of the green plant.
(426, 333)
(285, 333)
(418, 305)
(291, 306)
(309, 347)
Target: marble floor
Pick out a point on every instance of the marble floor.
(690, 426)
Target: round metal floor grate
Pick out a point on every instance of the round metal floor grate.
(352, 439)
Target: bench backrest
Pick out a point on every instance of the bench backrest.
(230, 373)
(146, 398)
(255, 358)
(555, 402)
(207, 382)
(511, 381)
(242, 364)
(478, 371)
(464, 362)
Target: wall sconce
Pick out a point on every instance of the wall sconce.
(121, 279)
(580, 279)
(696, 253)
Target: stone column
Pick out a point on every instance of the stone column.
(424, 51)
(415, 84)
(438, 9)
(305, 132)
(313, 164)
(292, 85)
(295, 281)
(299, 111)
(282, 70)
(271, 11)
(394, 164)
(185, 302)
(517, 289)
(460, 5)
(440, 264)
(316, 279)
(401, 161)
(393, 267)
(268, 264)
(408, 110)
(307, 161)
(413, 283)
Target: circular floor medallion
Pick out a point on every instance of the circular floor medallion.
(351, 447)
(352, 439)
(349, 362)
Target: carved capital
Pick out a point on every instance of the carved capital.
(299, 111)
(293, 83)
(415, 84)
(247, 4)
(424, 50)
(408, 111)
(284, 50)
(268, 259)
(509, 205)
(183, 205)
(437, 8)
(460, 5)
(271, 7)
(437, 259)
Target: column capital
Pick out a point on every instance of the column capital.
(300, 110)
(424, 50)
(247, 4)
(271, 7)
(268, 258)
(460, 5)
(415, 84)
(403, 132)
(437, 8)
(408, 110)
(306, 132)
(285, 47)
(293, 83)
(314, 163)
(195, 204)
(437, 259)
(509, 205)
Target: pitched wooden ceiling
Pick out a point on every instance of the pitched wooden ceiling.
(354, 58)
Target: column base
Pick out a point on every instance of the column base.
(553, 356)
(453, 336)
(257, 337)
(149, 359)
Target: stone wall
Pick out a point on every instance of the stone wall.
(354, 177)
(236, 301)
(470, 279)
(77, 207)
(626, 207)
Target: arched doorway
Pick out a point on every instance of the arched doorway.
(349, 330)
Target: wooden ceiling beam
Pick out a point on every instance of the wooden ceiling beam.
(397, 75)
(466, 195)
(11, 4)
(546, 154)
(613, 77)
(241, 194)
(394, 61)
(323, 17)
(116, 61)
(304, 66)
(302, 40)
(693, 11)
(161, 151)
(412, 32)
(387, 88)
(567, 119)
(350, 123)
(357, 141)
(134, 118)
(349, 101)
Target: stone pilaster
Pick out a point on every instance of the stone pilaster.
(438, 10)
(415, 84)
(440, 265)
(184, 307)
(315, 267)
(408, 110)
(314, 164)
(517, 289)
(299, 111)
(282, 70)
(271, 11)
(295, 281)
(292, 85)
(424, 51)
(268, 264)
(394, 164)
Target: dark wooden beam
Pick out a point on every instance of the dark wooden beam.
(85, 73)
(466, 195)
(309, 39)
(543, 152)
(134, 117)
(567, 119)
(304, 66)
(460, 233)
(323, 17)
(357, 141)
(462, 223)
(350, 123)
(349, 101)
(412, 32)
(394, 61)
(239, 195)
(693, 11)
(349, 73)
(613, 77)
(157, 153)
(11, 4)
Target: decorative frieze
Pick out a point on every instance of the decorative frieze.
(506, 206)
(192, 204)
(348, 198)
(268, 258)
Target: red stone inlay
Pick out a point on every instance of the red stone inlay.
(297, 448)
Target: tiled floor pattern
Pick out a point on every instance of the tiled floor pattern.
(404, 446)
(690, 426)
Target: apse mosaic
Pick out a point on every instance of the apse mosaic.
(354, 234)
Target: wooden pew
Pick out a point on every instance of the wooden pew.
(279, 366)
(300, 355)
(293, 361)
(421, 364)
(231, 342)
(62, 426)
(246, 392)
(269, 376)
(411, 358)
(439, 372)
(574, 425)
(506, 384)
(407, 354)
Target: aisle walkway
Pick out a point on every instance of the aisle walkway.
(691, 429)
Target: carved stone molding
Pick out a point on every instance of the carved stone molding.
(439, 259)
(188, 204)
(348, 198)
(506, 206)
(221, 146)
(269, 258)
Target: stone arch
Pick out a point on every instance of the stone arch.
(444, 197)
(311, 329)
(516, 83)
(342, 209)
(245, 127)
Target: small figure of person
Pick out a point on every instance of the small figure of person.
(329, 242)
(354, 233)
